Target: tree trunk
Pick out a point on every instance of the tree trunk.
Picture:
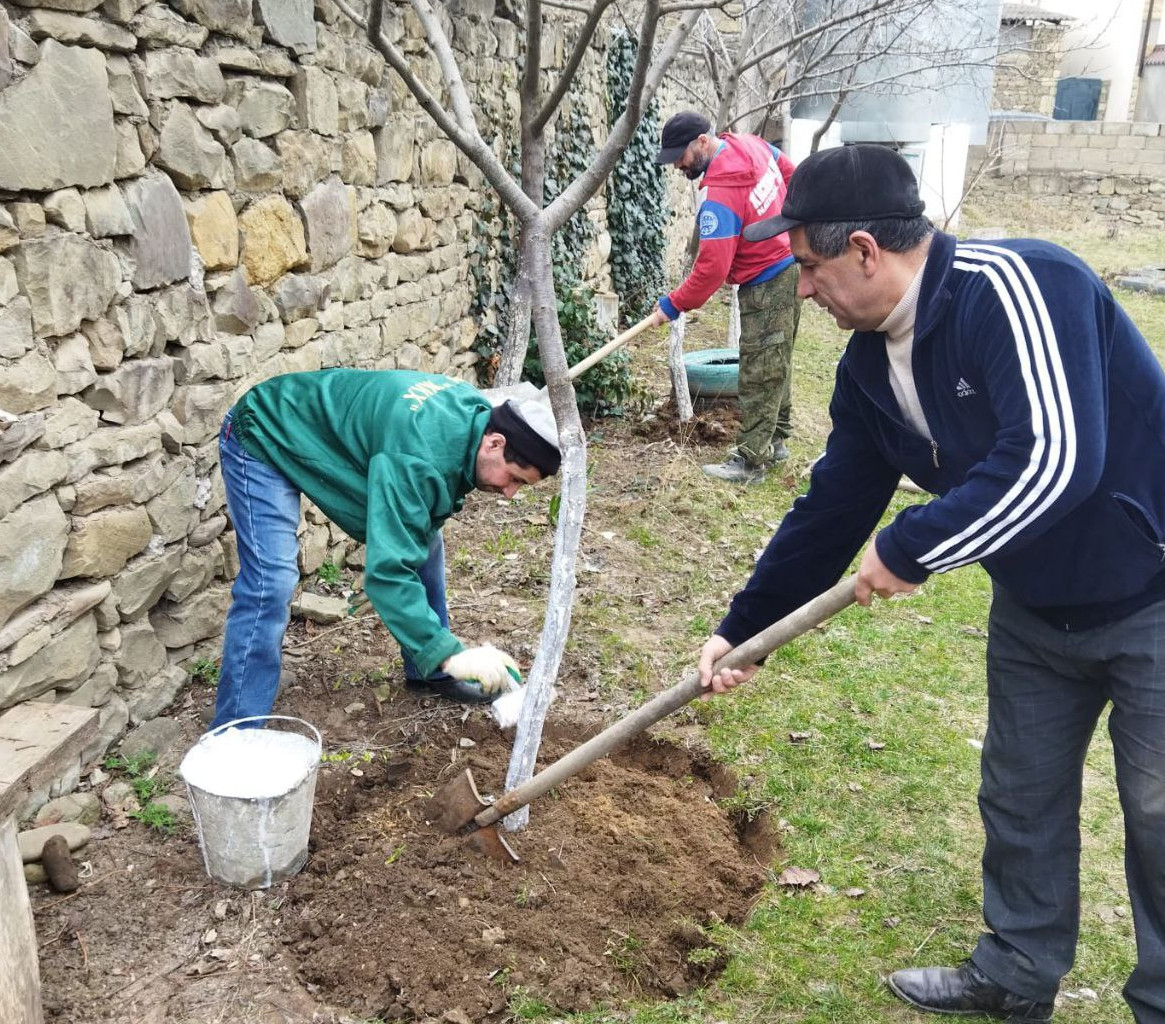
(512, 357)
(571, 512)
(517, 340)
(679, 374)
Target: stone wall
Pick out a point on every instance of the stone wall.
(194, 197)
(1098, 169)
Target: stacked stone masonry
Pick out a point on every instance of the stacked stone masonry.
(1028, 68)
(1102, 170)
(196, 196)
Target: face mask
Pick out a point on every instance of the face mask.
(698, 167)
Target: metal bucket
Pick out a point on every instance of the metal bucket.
(251, 793)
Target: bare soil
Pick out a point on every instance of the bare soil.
(626, 869)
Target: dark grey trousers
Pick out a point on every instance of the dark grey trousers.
(1046, 692)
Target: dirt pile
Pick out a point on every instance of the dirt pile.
(624, 870)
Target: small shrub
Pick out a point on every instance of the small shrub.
(204, 670)
(134, 766)
(147, 787)
(156, 816)
(329, 573)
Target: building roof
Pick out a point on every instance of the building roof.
(1032, 12)
(1156, 57)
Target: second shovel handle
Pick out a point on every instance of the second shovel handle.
(601, 353)
(805, 618)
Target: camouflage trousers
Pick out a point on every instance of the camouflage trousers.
(768, 326)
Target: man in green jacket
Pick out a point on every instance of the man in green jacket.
(388, 456)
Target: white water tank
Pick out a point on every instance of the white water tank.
(938, 69)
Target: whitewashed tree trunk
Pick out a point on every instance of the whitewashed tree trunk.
(568, 533)
(517, 340)
(675, 364)
(513, 353)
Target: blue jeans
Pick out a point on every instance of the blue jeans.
(264, 509)
(1046, 692)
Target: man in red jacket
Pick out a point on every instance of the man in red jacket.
(744, 180)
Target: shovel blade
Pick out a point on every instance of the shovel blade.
(489, 842)
(455, 804)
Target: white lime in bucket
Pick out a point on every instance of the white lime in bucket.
(251, 792)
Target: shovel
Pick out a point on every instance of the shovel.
(524, 389)
(458, 804)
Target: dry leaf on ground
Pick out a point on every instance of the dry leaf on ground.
(798, 878)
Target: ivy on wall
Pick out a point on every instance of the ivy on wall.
(636, 195)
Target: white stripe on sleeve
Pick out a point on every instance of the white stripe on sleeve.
(1053, 454)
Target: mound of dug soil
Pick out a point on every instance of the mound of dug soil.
(623, 870)
(713, 422)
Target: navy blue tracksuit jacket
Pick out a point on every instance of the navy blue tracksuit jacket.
(1047, 410)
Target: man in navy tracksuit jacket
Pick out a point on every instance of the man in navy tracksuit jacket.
(1004, 378)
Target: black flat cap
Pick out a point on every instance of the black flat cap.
(678, 134)
(847, 183)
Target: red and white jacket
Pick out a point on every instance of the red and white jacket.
(746, 181)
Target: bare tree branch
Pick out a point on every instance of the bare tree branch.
(819, 29)
(693, 5)
(732, 79)
(467, 139)
(530, 73)
(566, 78)
(889, 79)
(439, 43)
(689, 91)
(838, 102)
(645, 79)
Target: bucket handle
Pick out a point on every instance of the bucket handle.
(265, 718)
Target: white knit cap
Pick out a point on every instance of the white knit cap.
(540, 418)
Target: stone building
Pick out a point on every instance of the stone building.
(1031, 45)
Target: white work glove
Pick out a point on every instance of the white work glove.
(492, 668)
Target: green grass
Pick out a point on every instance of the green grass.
(157, 817)
(881, 796)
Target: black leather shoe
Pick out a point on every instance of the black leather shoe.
(965, 990)
(464, 691)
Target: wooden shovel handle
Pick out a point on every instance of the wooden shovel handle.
(601, 353)
(805, 618)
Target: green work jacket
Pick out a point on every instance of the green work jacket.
(388, 456)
